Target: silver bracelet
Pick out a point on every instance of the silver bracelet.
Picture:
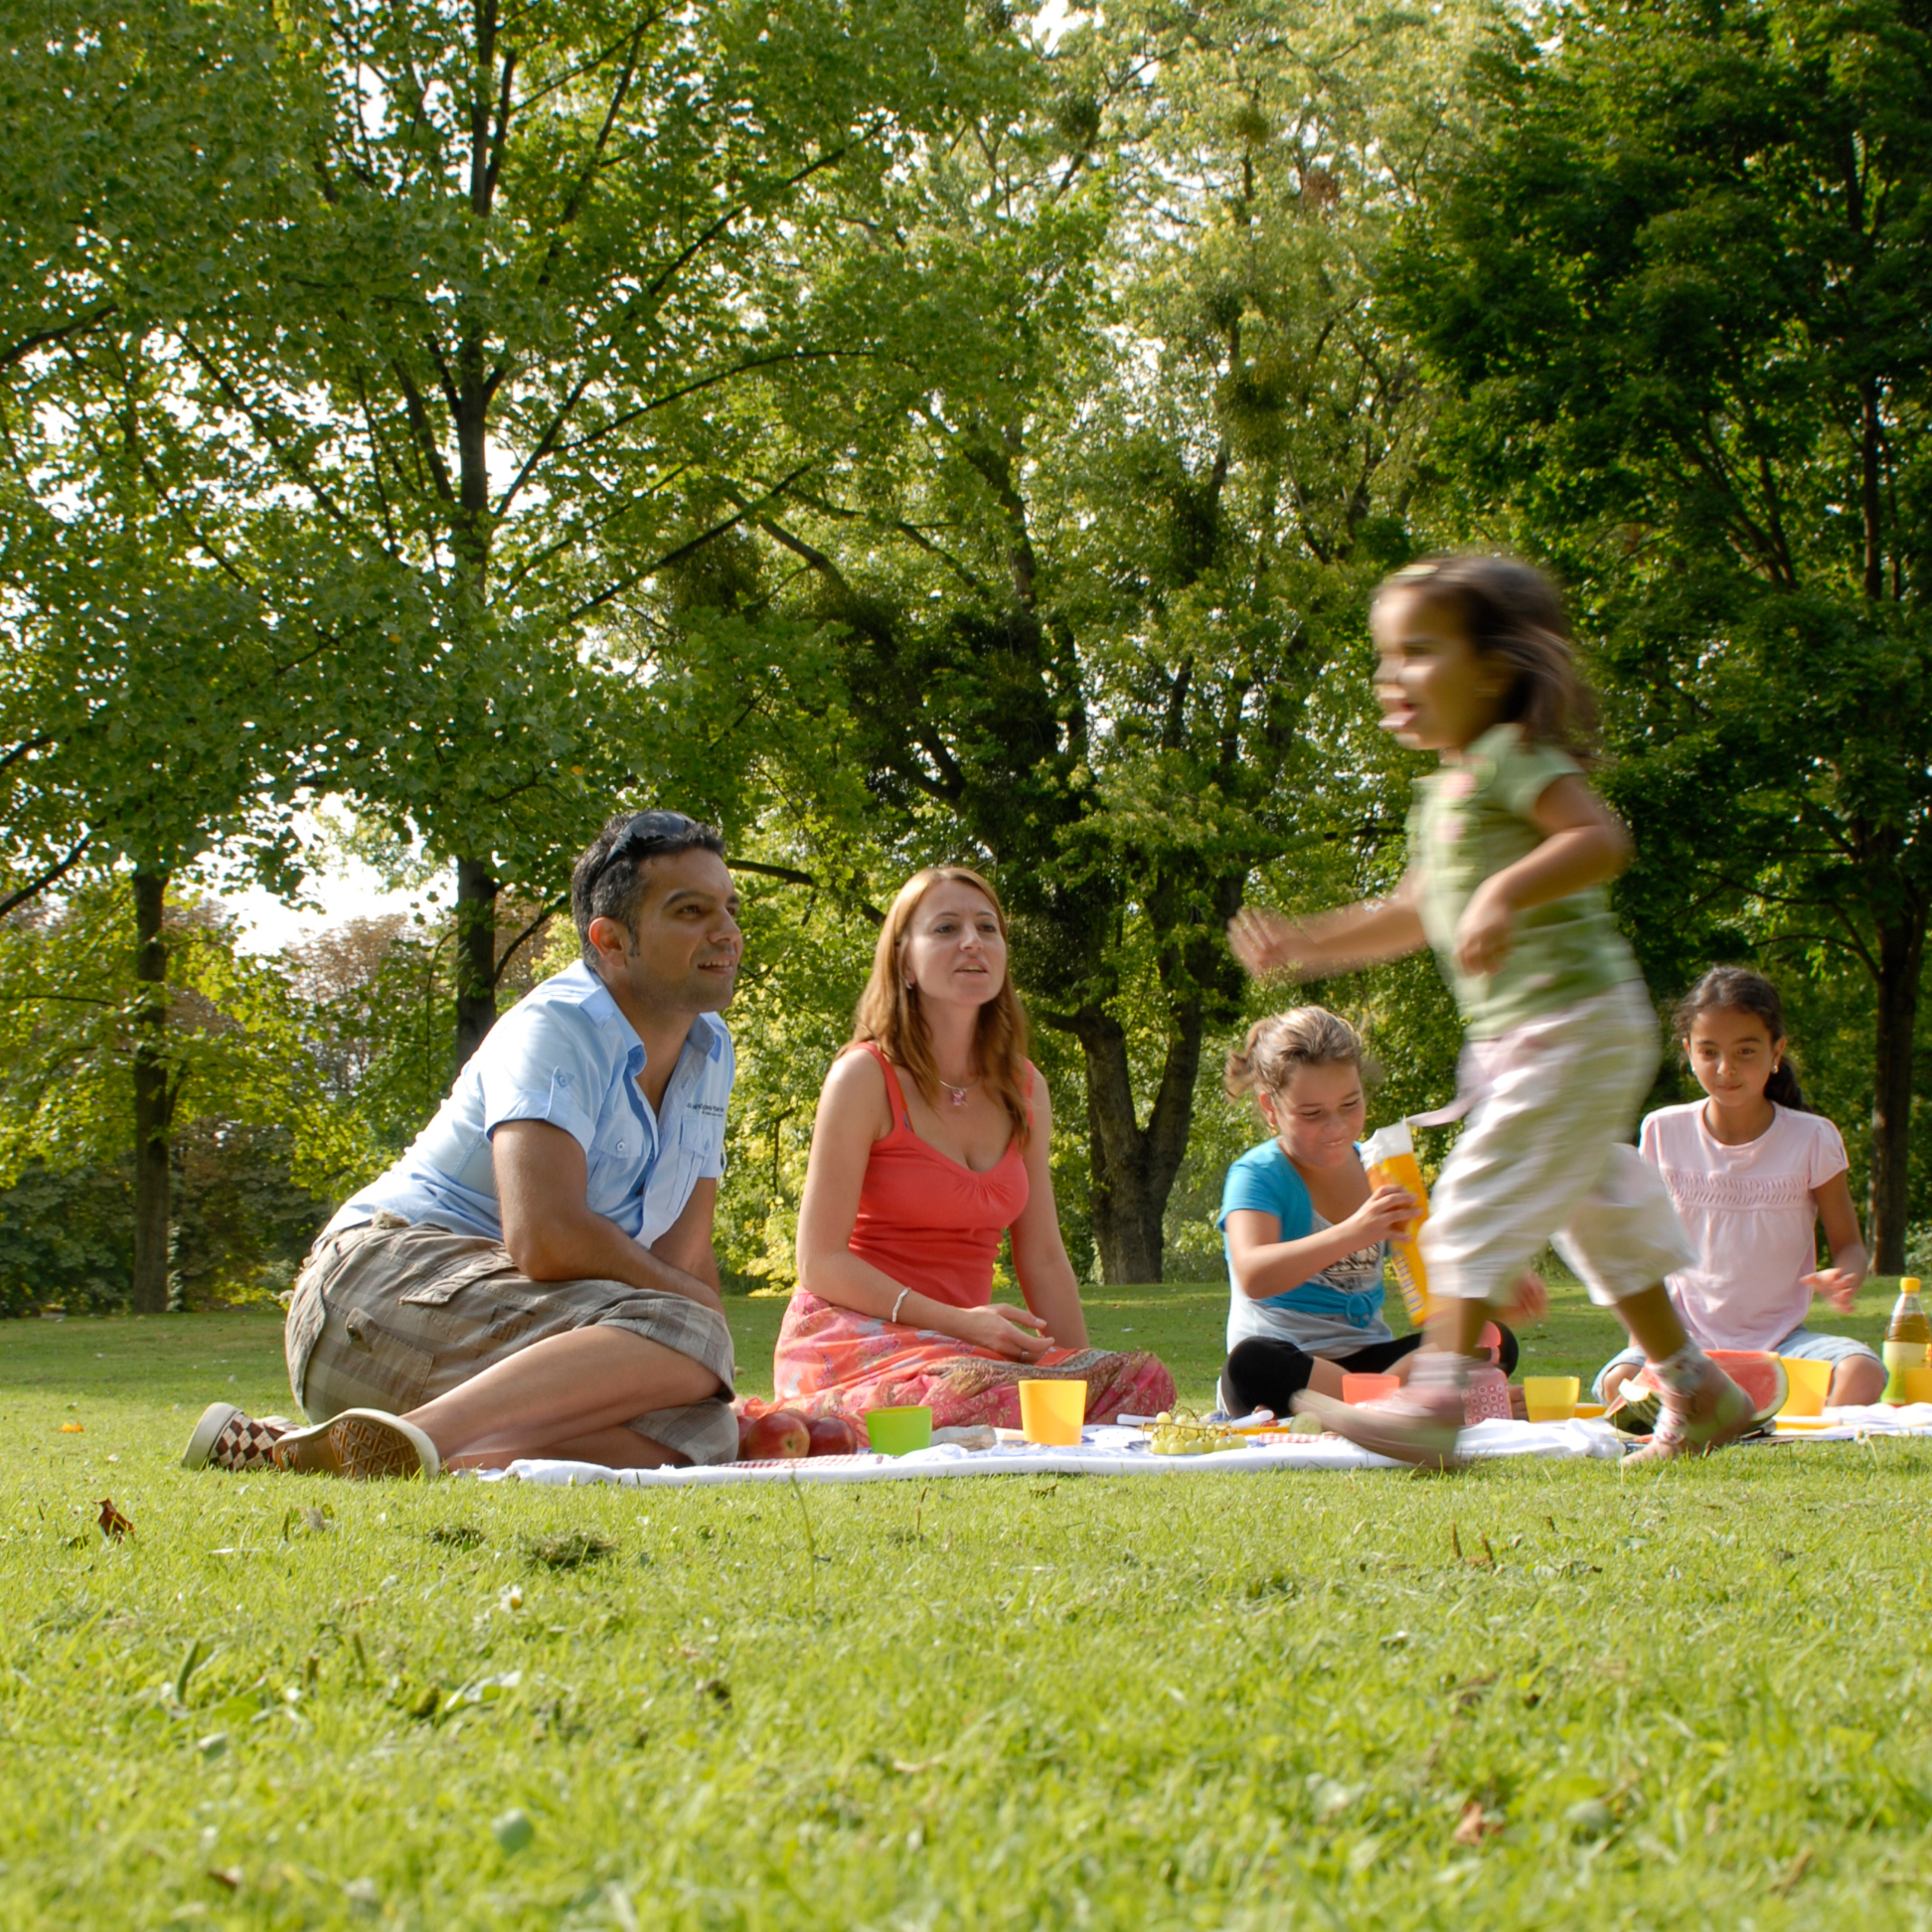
(898, 1305)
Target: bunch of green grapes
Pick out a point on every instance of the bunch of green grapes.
(1187, 1436)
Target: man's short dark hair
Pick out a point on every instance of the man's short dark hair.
(609, 880)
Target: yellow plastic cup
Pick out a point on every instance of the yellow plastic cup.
(1550, 1398)
(1918, 1384)
(899, 1431)
(1053, 1411)
(1810, 1382)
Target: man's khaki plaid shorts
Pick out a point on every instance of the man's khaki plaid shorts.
(393, 1314)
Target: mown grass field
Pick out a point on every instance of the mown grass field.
(1649, 1699)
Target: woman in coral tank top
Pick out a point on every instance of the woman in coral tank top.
(930, 1143)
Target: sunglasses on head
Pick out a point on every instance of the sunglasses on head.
(644, 834)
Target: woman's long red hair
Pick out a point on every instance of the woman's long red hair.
(888, 1010)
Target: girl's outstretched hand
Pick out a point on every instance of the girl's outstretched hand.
(1839, 1286)
(1528, 1299)
(1265, 942)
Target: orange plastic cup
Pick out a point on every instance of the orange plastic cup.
(1808, 1382)
(1053, 1411)
(1369, 1388)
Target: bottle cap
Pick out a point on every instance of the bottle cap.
(1909, 1284)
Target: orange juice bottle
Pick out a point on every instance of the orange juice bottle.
(1389, 1154)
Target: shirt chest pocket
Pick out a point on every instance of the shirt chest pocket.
(616, 1158)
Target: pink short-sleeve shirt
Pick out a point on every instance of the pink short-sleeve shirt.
(1750, 1211)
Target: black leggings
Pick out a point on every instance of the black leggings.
(1263, 1372)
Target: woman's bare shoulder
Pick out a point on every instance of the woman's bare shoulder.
(855, 1087)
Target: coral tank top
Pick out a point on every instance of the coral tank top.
(925, 1221)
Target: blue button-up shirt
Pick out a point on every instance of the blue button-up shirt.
(564, 1053)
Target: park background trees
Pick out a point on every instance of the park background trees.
(912, 433)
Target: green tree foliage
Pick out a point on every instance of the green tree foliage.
(257, 1140)
(1680, 281)
(523, 259)
(1131, 442)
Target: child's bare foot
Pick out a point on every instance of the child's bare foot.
(1714, 1413)
(1414, 1425)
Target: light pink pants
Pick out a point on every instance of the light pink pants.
(1542, 1159)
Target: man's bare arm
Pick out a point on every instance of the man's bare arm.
(552, 1234)
(686, 1242)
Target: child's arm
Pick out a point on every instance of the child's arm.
(1839, 1283)
(1263, 1264)
(1266, 943)
(1584, 844)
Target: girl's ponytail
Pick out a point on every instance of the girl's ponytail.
(1783, 1087)
(1275, 1046)
(1739, 990)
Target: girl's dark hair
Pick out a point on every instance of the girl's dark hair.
(1510, 610)
(1739, 990)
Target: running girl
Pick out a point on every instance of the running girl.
(1306, 1235)
(1753, 1171)
(1510, 854)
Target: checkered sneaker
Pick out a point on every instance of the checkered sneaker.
(226, 1438)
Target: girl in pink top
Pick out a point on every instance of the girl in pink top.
(1752, 1171)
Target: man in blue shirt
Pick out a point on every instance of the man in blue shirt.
(534, 1276)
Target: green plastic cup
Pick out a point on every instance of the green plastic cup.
(899, 1431)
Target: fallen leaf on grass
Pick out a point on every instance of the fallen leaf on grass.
(1794, 1871)
(313, 1518)
(228, 1875)
(114, 1524)
(1475, 1824)
(73, 1429)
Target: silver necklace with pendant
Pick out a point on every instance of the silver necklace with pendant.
(957, 1094)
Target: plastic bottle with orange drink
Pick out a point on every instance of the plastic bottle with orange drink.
(1388, 1156)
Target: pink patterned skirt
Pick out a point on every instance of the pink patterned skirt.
(832, 1362)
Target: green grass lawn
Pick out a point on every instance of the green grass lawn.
(1649, 1698)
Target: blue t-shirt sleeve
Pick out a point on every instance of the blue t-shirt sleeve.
(1262, 1182)
(542, 1061)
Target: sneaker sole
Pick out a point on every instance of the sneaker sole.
(1403, 1439)
(214, 1418)
(361, 1446)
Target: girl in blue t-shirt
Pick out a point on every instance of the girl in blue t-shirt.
(1306, 1235)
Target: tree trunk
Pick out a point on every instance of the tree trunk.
(1902, 952)
(476, 896)
(1134, 1168)
(153, 1096)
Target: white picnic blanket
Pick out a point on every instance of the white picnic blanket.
(1853, 1424)
(1106, 1450)
(1103, 1450)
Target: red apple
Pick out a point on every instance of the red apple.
(774, 1438)
(833, 1435)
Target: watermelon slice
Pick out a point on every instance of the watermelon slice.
(1760, 1377)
